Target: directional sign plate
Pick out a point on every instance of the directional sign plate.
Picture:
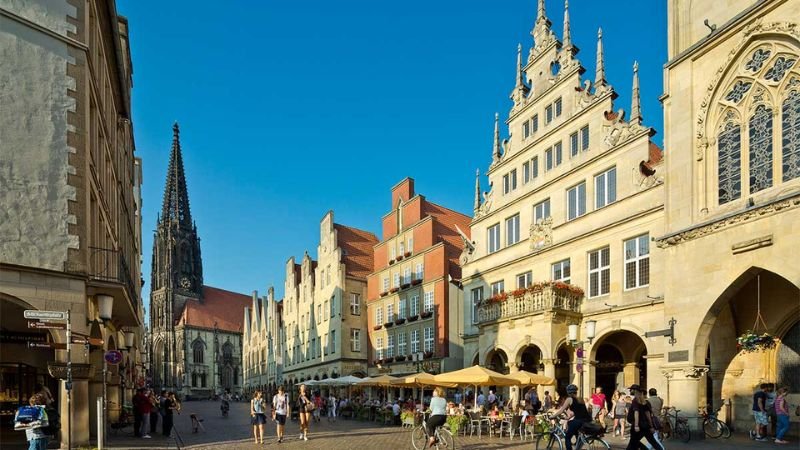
(51, 315)
(47, 325)
(53, 345)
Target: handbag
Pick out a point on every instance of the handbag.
(310, 407)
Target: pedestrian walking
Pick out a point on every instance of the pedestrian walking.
(331, 408)
(258, 417)
(620, 413)
(759, 432)
(141, 410)
(656, 406)
(304, 408)
(548, 401)
(34, 421)
(599, 405)
(782, 412)
(320, 406)
(641, 419)
(170, 406)
(137, 412)
(280, 409)
(770, 404)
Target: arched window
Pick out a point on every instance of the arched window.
(790, 122)
(227, 352)
(760, 149)
(197, 351)
(730, 162)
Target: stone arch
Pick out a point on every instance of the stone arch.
(491, 350)
(528, 357)
(530, 342)
(497, 360)
(618, 360)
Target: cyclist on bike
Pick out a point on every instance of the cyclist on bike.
(580, 414)
(438, 414)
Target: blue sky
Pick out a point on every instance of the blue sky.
(289, 109)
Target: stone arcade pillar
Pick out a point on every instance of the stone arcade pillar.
(80, 412)
(549, 371)
(684, 384)
(630, 374)
(513, 394)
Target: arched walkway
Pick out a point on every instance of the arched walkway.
(618, 361)
(497, 360)
(529, 358)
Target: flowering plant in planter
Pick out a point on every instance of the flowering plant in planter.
(426, 314)
(413, 318)
(407, 254)
(399, 358)
(377, 327)
(400, 321)
(400, 257)
(497, 298)
(384, 293)
(391, 261)
(427, 355)
(388, 324)
(405, 285)
(517, 293)
(394, 289)
(750, 341)
(416, 281)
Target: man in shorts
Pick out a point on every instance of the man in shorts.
(759, 433)
(280, 409)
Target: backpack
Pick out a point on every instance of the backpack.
(30, 417)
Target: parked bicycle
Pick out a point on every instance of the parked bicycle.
(675, 426)
(712, 426)
(589, 436)
(443, 437)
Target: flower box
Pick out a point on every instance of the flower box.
(388, 324)
(399, 321)
(426, 314)
(388, 360)
(405, 285)
(750, 341)
(399, 257)
(384, 293)
(497, 298)
(427, 355)
(413, 318)
(518, 293)
(399, 358)
(391, 261)
(407, 254)
(393, 290)
(377, 327)
(416, 282)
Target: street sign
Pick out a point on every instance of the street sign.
(47, 325)
(53, 345)
(97, 342)
(113, 357)
(51, 315)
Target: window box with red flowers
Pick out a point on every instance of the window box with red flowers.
(407, 254)
(413, 318)
(391, 261)
(388, 324)
(377, 327)
(399, 321)
(427, 355)
(400, 257)
(393, 290)
(519, 293)
(498, 298)
(426, 314)
(384, 293)
(405, 285)
(416, 281)
(399, 358)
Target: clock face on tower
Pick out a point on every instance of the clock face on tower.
(186, 283)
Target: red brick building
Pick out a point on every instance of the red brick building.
(413, 295)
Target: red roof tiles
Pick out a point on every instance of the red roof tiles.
(357, 250)
(219, 308)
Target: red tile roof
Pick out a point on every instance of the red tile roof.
(445, 228)
(655, 154)
(219, 308)
(357, 250)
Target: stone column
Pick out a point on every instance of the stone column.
(683, 392)
(630, 373)
(549, 371)
(513, 394)
(80, 413)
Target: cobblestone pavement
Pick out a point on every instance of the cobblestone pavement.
(235, 432)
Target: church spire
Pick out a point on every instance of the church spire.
(496, 144)
(520, 82)
(567, 37)
(175, 208)
(542, 34)
(600, 70)
(636, 106)
(477, 205)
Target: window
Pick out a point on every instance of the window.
(379, 347)
(729, 147)
(322, 279)
(312, 348)
(498, 287)
(512, 230)
(477, 297)
(493, 238)
(401, 311)
(396, 280)
(197, 352)
(355, 340)
(760, 149)
(548, 114)
(415, 341)
(390, 312)
(324, 317)
(535, 166)
(355, 304)
(524, 280)
(510, 181)
(513, 179)
(526, 130)
(535, 123)
(390, 346)
(573, 145)
(548, 159)
(333, 307)
(599, 272)
(319, 346)
(393, 252)
(401, 344)
(605, 188)
(333, 341)
(558, 152)
(385, 284)
(319, 313)
(557, 106)
(541, 211)
(428, 305)
(506, 184)
(561, 271)
(415, 305)
(637, 262)
(790, 124)
(419, 272)
(378, 315)
(411, 244)
(576, 201)
(407, 275)
(585, 138)
(526, 172)
(402, 248)
(328, 276)
(428, 339)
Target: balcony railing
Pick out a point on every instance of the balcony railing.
(108, 265)
(532, 301)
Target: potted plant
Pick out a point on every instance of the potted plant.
(400, 321)
(407, 417)
(399, 358)
(497, 298)
(388, 324)
(377, 327)
(400, 257)
(519, 293)
(391, 261)
(405, 285)
(426, 314)
(456, 422)
(413, 318)
(416, 281)
(394, 289)
(407, 254)
(751, 341)
(384, 293)
(427, 355)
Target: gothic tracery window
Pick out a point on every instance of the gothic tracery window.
(730, 163)
(760, 149)
(790, 123)
(197, 351)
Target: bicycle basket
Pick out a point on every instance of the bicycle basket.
(592, 429)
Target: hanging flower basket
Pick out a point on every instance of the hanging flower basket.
(751, 341)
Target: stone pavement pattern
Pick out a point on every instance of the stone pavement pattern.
(235, 432)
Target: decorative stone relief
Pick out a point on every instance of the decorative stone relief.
(695, 372)
(746, 216)
(469, 247)
(618, 131)
(542, 234)
(486, 207)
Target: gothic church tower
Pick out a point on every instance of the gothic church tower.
(177, 269)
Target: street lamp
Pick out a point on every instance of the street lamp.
(105, 304)
(572, 331)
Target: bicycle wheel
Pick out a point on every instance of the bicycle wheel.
(712, 428)
(596, 443)
(548, 442)
(419, 439)
(682, 432)
(445, 440)
(726, 431)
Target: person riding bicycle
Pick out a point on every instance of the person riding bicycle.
(438, 414)
(580, 414)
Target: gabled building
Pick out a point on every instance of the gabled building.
(263, 349)
(414, 295)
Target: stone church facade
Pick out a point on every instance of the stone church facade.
(196, 330)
